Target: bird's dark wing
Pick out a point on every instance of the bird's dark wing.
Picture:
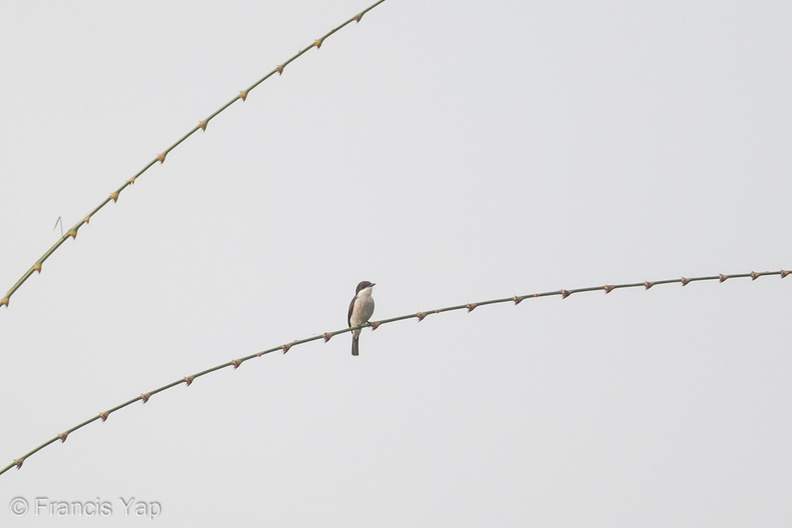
(351, 307)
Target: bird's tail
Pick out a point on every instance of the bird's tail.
(355, 339)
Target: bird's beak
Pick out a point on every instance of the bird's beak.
(373, 284)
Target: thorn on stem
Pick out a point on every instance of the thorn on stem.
(114, 197)
(470, 307)
(517, 300)
(18, 462)
(63, 437)
(202, 125)
(236, 363)
(648, 284)
(608, 288)
(420, 316)
(188, 380)
(104, 416)
(145, 397)
(318, 43)
(374, 325)
(565, 294)
(784, 273)
(279, 69)
(685, 281)
(286, 348)
(327, 336)
(161, 157)
(243, 95)
(722, 277)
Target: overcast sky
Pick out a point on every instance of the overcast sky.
(451, 152)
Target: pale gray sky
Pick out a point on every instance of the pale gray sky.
(450, 152)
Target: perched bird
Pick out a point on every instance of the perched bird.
(360, 310)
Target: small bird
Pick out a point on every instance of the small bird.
(360, 311)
